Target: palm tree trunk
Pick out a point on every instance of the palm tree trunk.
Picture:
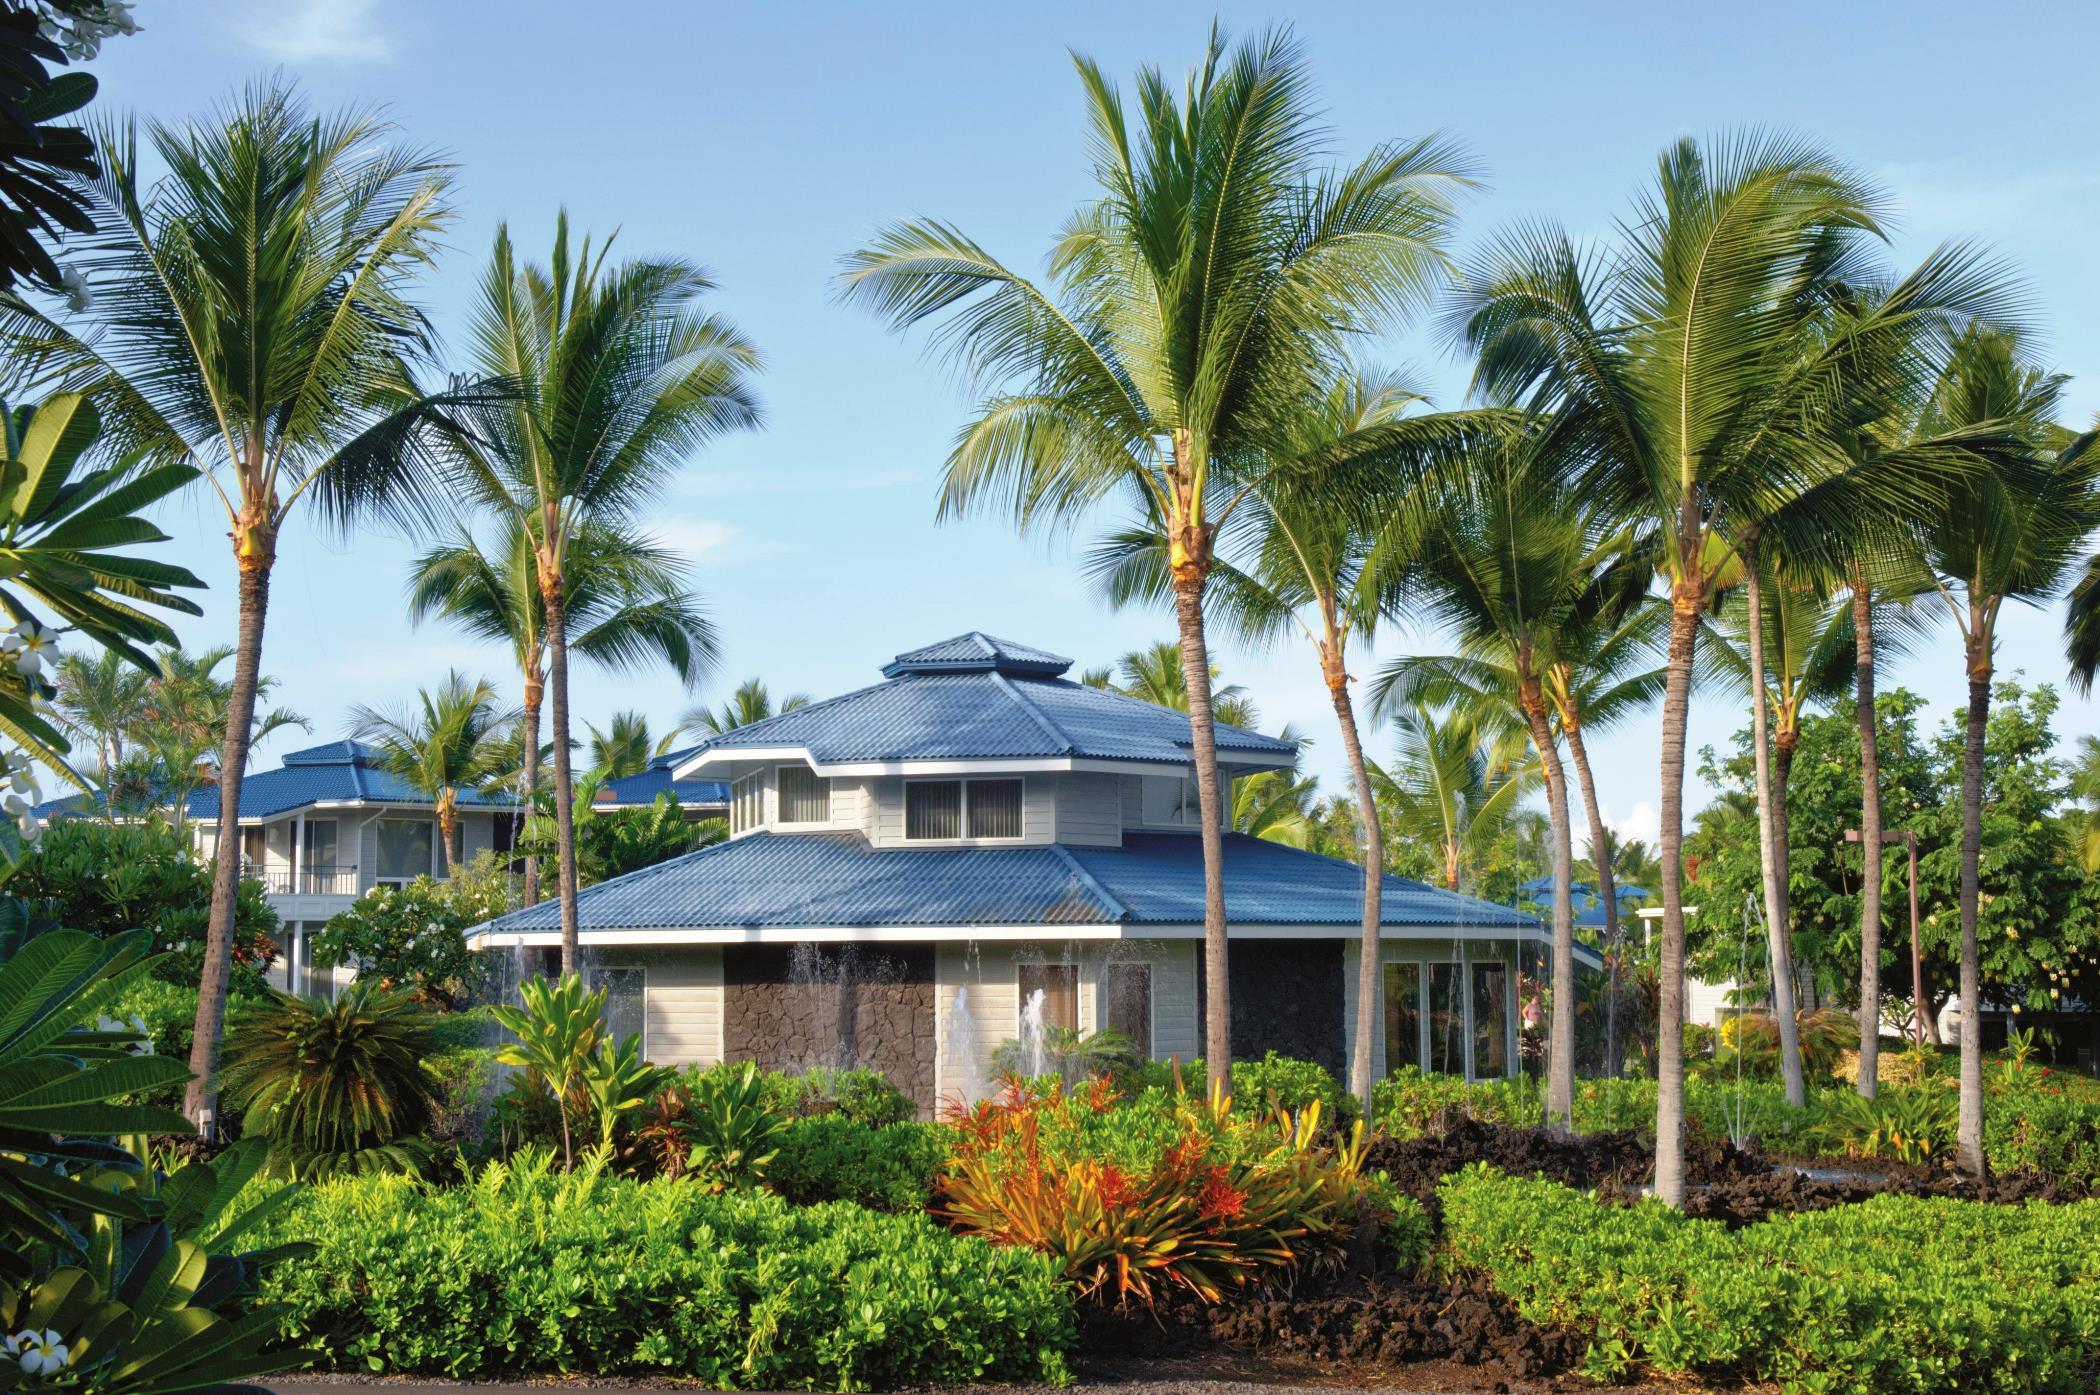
(535, 691)
(564, 789)
(255, 554)
(1767, 842)
(1560, 1034)
(1217, 983)
(1869, 839)
(1607, 880)
(448, 823)
(1686, 602)
(1370, 972)
(1968, 1150)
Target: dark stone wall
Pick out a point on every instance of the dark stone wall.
(791, 1007)
(1287, 997)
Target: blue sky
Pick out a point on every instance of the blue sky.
(765, 141)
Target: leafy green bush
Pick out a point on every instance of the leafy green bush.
(164, 1013)
(526, 1270)
(1285, 1082)
(334, 1086)
(732, 1126)
(1896, 1293)
(829, 1157)
(415, 936)
(864, 1096)
(1912, 1125)
(105, 878)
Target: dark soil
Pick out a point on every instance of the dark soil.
(1384, 1324)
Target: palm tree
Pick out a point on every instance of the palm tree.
(749, 703)
(1278, 805)
(251, 317)
(101, 696)
(625, 747)
(625, 599)
(440, 747)
(2084, 786)
(1508, 559)
(1695, 384)
(1154, 674)
(1294, 559)
(1456, 785)
(621, 376)
(2011, 535)
(181, 725)
(1215, 281)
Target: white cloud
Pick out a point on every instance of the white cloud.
(317, 31)
(698, 540)
(1643, 822)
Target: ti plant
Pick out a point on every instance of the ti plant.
(556, 1031)
(733, 1126)
(113, 1276)
(617, 1081)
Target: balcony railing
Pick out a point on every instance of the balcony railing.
(310, 881)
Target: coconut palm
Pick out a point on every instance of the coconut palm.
(1456, 785)
(440, 746)
(1696, 383)
(626, 747)
(1508, 559)
(101, 696)
(625, 598)
(2011, 535)
(181, 728)
(1154, 674)
(751, 702)
(1215, 281)
(2084, 786)
(1278, 805)
(251, 317)
(621, 376)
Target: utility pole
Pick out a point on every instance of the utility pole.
(1909, 840)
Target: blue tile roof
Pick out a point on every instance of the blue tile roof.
(339, 772)
(790, 881)
(644, 786)
(975, 697)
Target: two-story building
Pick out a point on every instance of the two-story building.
(911, 864)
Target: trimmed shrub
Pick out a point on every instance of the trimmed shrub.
(525, 1270)
(1895, 1293)
(829, 1157)
(1285, 1082)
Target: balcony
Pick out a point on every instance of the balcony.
(310, 881)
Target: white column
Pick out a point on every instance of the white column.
(298, 847)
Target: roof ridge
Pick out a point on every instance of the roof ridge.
(1118, 910)
(1051, 729)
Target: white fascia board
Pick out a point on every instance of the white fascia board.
(482, 937)
(980, 765)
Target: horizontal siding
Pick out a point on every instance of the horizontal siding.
(1089, 809)
(682, 1003)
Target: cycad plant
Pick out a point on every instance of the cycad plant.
(444, 744)
(621, 376)
(338, 1086)
(1216, 279)
(2011, 535)
(625, 597)
(1694, 383)
(252, 317)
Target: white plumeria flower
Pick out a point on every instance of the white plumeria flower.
(41, 1353)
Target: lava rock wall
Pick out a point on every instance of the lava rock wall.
(790, 1008)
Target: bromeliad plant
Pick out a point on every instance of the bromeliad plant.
(1173, 1191)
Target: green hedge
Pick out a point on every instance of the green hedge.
(1894, 1294)
(831, 1157)
(524, 1270)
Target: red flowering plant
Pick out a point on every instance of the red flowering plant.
(1166, 1190)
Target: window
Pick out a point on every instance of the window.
(995, 808)
(1170, 800)
(804, 797)
(405, 848)
(1403, 1016)
(1490, 1020)
(503, 833)
(626, 1000)
(1059, 985)
(318, 855)
(1129, 989)
(1447, 1021)
(747, 803)
(253, 844)
(943, 809)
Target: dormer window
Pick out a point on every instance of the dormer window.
(747, 803)
(947, 810)
(805, 797)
